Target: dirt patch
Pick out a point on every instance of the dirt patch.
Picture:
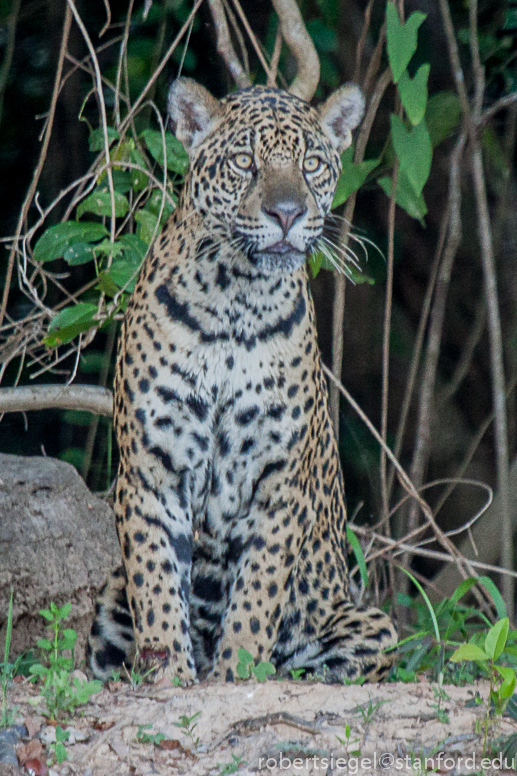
(275, 728)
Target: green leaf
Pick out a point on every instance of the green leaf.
(496, 596)
(358, 552)
(352, 176)
(60, 752)
(263, 670)
(315, 262)
(106, 283)
(509, 681)
(44, 644)
(245, 661)
(96, 139)
(401, 39)
(177, 157)
(78, 313)
(62, 735)
(149, 227)
(405, 196)
(70, 322)
(414, 151)
(442, 116)
(64, 611)
(413, 93)
(108, 248)
(469, 652)
(496, 638)
(57, 239)
(99, 203)
(79, 253)
(139, 180)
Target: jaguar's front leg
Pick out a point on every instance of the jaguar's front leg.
(155, 531)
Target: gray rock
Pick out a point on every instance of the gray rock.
(57, 543)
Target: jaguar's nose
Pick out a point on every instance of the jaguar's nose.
(285, 214)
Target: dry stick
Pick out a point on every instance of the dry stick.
(338, 304)
(425, 409)
(410, 549)
(302, 48)
(497, 368)
(417, 348)
(275, 58)
(125, 123)
(405, 481)
(488, 262)
(504, 102)
(362, 40)
(386, 342)
(123, 49)
(37, 172)
(238, 34)
(225, 47)
(102, 106)
(12, 21)
(252, 36)
(89, 398)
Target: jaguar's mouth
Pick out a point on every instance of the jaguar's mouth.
(281, 247)
(281, 257)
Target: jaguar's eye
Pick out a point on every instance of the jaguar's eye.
(243, 161)
(312, 164)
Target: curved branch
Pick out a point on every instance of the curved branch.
(225, 47)
(89, 398)
(302, 48)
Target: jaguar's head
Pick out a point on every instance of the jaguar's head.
(264, 165)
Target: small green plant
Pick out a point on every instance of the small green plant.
(368, 710)
(149, 738)
(58, 748)
(7, 671)
(186, 723)
(297, 673)
(441, 628)
(62, 692)
(502, 678)
(233, 767)
(347, 743)
(442, 715)
(246, 667)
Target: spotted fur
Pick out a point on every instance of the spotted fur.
(230, 503)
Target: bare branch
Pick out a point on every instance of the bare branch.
(88, 398)
(225, 47)
(302, 48)
(37, 172)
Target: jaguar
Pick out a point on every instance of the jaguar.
(230, 502)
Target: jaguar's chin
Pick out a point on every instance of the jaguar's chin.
(280, 258)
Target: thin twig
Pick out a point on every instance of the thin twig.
(225, 47)
(102, 106)
(295, 34)
(425, 409)
(252, 37)
(43, 154)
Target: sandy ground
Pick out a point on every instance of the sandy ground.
(270, 728)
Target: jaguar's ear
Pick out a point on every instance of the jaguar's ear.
(340, 114)
(193, 112)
